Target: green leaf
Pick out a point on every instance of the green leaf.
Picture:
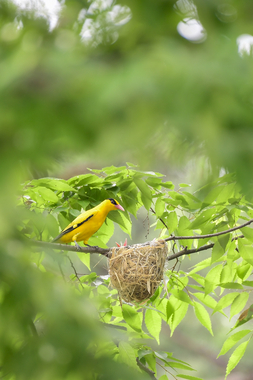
(248, 233)
(180, 365)
(206, 300)
(226, 193)
(231, 285)
(236, 357)
(154, 182)
(159, 207)
(89, 277)
(232, 253)
(153, 323)
(151, 360)
(113, 169)
(163, 377)
(198, 278)
(246, 316)
(203, 316)
(217, 252)
(131, 165)
(132, 318)
(124, 223)
(169, 310)
(172, 221)
(131, 203)
(248, 283)
(225, 301)
(178, 316)
(54, 184)
(212, 278)
(227, 273)
(106, 231)
(63, 221)
(183, 230)
(232, 340)
(52, 225)
(47, 194)
(127, 355)
(85, 258)
(239, 303)
(224, 241)
(244, 271)
(201, 219)
(246, 252)
(181, 295)
(81, 180)
(168, 185)
(146, 195)
(143, 352)
(161, 305)
(184, 185)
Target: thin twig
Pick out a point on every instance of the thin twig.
(146, 369)
(209, 235)
(166, 370)
(186, 251)
(159, 218)
(74, 269)
(238, 237)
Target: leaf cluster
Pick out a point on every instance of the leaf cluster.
(220, 283)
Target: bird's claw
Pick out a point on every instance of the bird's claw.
(78, 246)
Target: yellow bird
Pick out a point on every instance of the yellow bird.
(87, 223)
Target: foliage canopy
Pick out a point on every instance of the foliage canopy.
(212, 285)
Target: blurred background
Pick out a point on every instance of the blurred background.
(165, 84)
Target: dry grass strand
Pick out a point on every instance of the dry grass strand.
(136, 271)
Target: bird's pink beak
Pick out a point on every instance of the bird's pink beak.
(119, 207)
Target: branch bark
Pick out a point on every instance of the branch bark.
(65, 247)
(210, 235)
(186, 251)
(146, 369)
(106, 252)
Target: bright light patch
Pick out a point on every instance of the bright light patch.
(48, 9)
(192, 30)
(245, 44)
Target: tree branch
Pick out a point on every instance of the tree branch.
(186, 251)
(146, 369)
(209, 235)
(106, 252)
(65, 247)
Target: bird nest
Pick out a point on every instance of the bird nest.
(136, 271)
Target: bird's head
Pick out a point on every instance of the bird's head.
(113, 204)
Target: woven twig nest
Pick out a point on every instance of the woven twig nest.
(136, 271)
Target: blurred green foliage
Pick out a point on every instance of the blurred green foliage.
(135, 90)
(59, 94)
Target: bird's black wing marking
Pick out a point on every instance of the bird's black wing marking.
(71, 228)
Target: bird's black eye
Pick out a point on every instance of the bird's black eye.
(113, 201)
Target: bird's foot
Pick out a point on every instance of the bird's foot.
(78, 246)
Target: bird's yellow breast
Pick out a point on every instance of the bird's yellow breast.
(86, 224)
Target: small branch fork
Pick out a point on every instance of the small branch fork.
(185, 251)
